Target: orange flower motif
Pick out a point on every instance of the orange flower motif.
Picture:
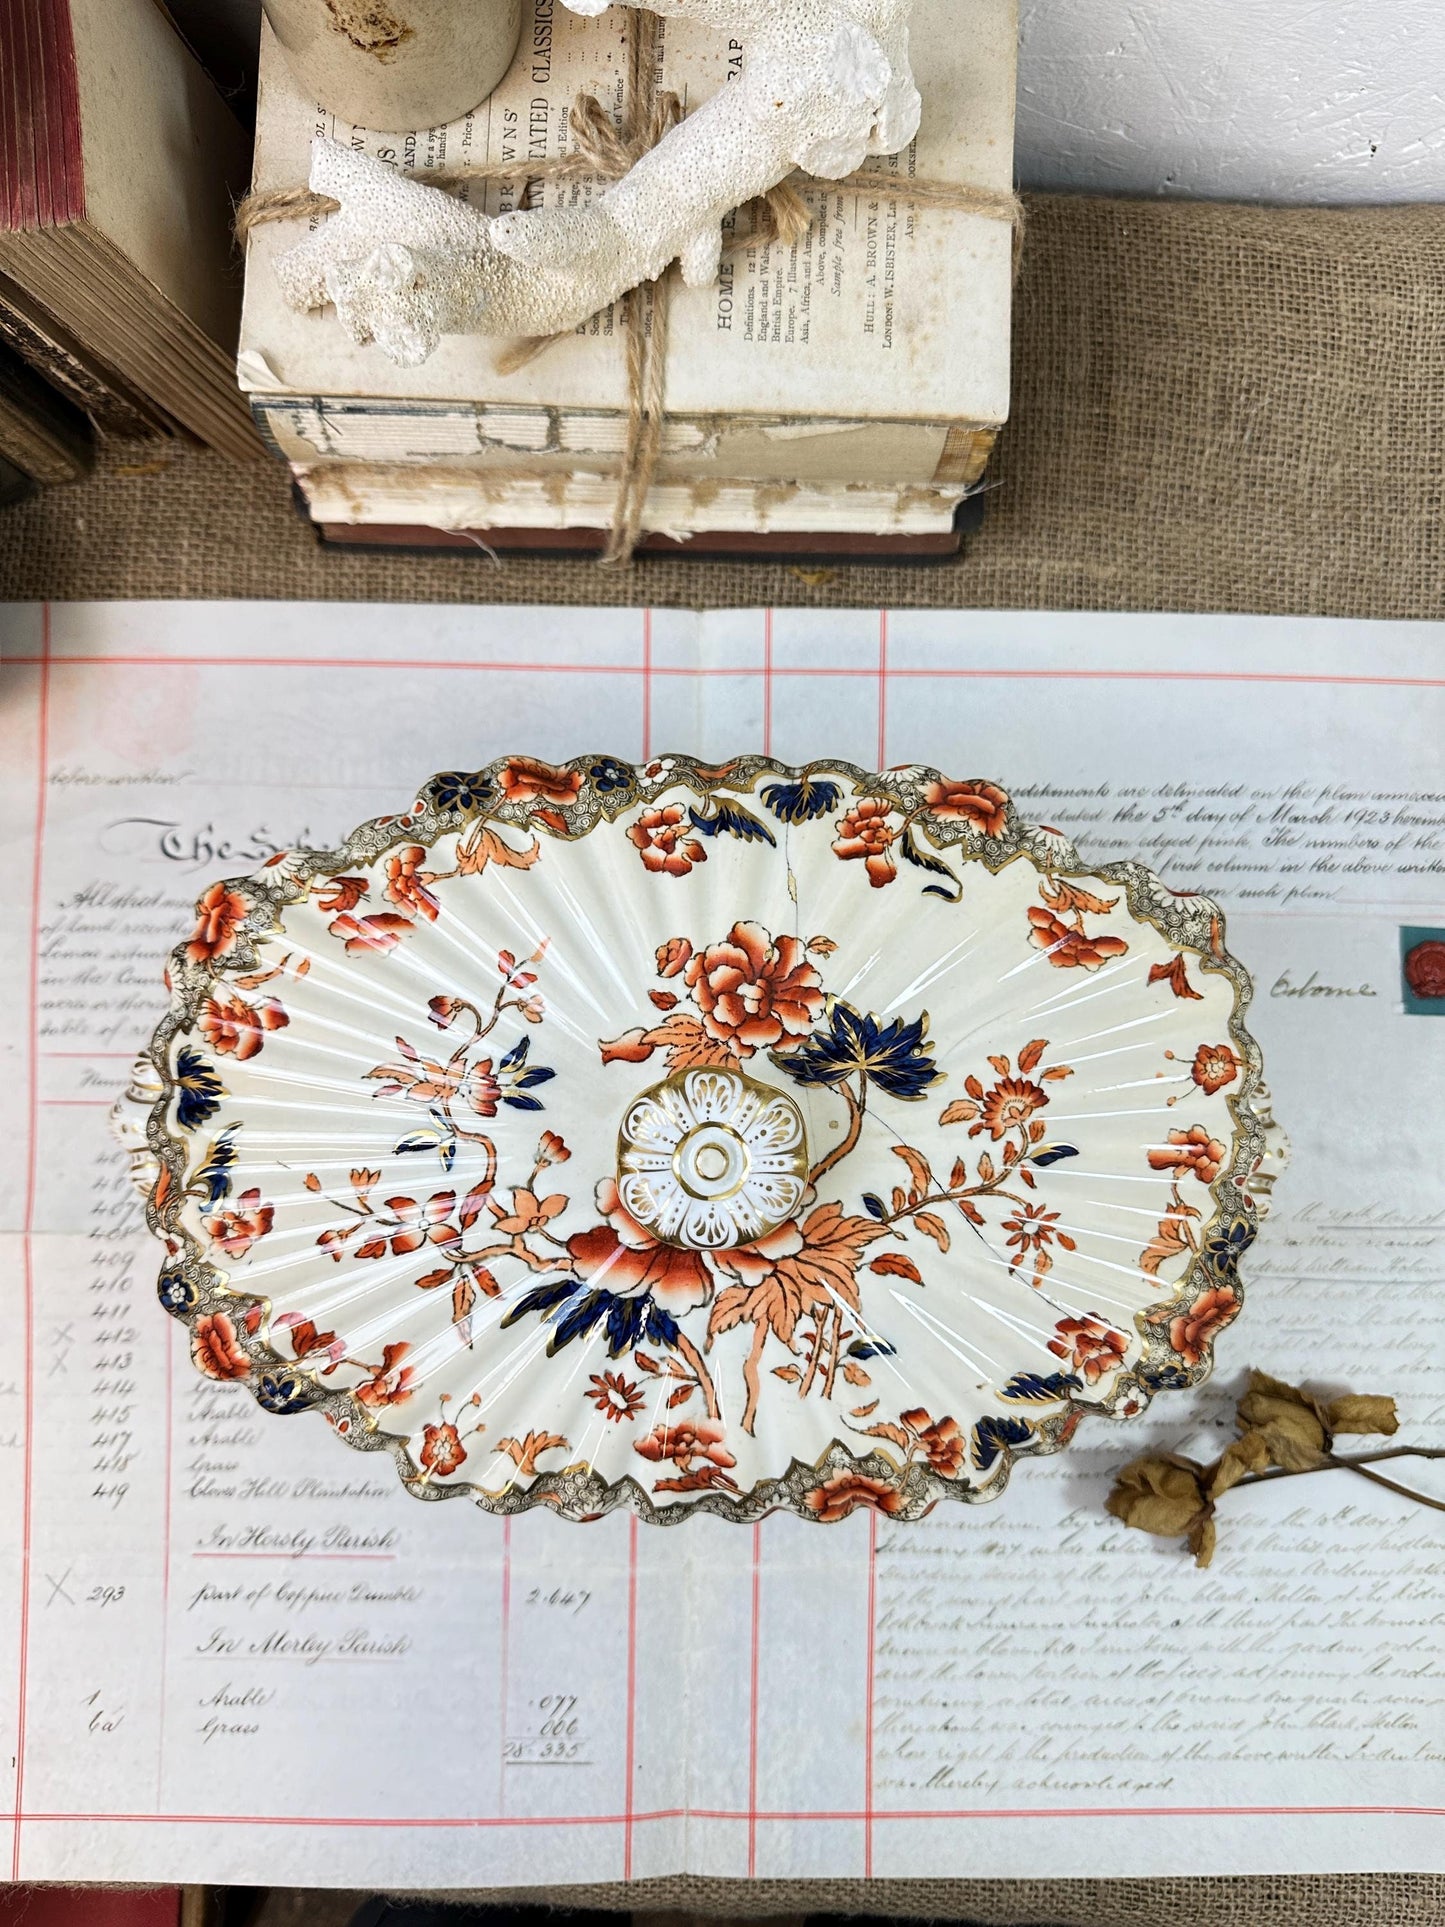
(1192, 1151)
(524, 780)
(615, 1397)
(406, 882)
(984, 805)
(442, 1450)
(1192, 1330)
(421, 1223)
(551, 1149)
(753, 992)
(235, 1028)
(1215, 1065)
(237, 1228)
(220, 913)
(384, 931)
(1068, 948)
(215, 1349)
(624, 1258)
(1011, 1102)
(941, 1440)
(1089, 1346)
(390, 1381)
(835, 1498)
(672, 956)
(686, 1441)
(665, 841)
(866, 832)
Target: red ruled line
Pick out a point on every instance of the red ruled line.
(166, 1562)
(32, 1186)
(935, 673)
(868, 1814)
(753, 1701)
(636, 1819)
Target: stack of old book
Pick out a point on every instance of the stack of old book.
(119, 285)
(838, 394)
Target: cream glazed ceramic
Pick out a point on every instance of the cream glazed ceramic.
(698, 1138)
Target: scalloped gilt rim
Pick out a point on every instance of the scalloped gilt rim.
(449, 803)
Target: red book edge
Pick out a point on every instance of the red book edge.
(42, 175)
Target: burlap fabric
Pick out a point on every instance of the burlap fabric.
(1216, 407)
(1354, 1900)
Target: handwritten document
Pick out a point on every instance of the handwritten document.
(232, 1650)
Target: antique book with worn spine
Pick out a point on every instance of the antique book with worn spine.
(41, 434)
(863, 371)
(114, 407)
(116, 177)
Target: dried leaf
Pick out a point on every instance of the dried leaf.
(856, 1375)
(1201, 1539)
(680, 1396)
(959, 1111)
(1031, 1053)
(1159, 1496)
(1290, 1448)
(1245, 1458)
(790, 1374)
(863, 1411)
(1290, 1419)
(1361, 1412)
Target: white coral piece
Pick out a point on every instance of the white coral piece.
(825, 84)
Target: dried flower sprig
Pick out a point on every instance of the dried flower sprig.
(1285, 1432)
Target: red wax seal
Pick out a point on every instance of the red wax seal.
(1425, 968)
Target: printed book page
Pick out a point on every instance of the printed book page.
(232, 1650)
(829, 317)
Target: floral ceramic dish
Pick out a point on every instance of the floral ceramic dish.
(702, 1138)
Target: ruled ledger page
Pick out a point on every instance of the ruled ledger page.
(231, 1650)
